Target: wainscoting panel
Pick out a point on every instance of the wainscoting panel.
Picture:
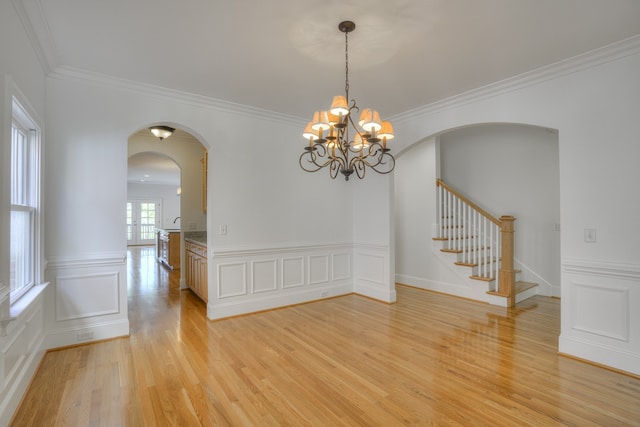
(601, 313)
(90, 295)
(265, 275)
(232, 278)
(292, 272)
(318, 269)
(21, 348)
(276, 277)
(341, 266)
(589, 299)
(372, 277)
(89, 299)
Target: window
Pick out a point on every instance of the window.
(25, 203)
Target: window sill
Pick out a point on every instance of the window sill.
(21, 305)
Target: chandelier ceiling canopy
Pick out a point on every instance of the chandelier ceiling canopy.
(341, 145)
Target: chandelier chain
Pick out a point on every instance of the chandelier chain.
(346, 64)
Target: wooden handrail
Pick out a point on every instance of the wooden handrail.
(486, 214)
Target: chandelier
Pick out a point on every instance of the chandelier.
(336, 142)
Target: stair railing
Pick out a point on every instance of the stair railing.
(481, 239)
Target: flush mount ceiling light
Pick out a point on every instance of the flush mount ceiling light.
(347, 147)
(162, 132)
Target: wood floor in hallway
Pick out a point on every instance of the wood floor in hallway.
(428, 359)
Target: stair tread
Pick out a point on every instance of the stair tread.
(524, 286)
(520, 287)
(484, 279)
(476, 264)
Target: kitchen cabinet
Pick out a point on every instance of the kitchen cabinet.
(168, 248)
(196, 269)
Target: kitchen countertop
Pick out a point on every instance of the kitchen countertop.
(168, 230)
(198, 237)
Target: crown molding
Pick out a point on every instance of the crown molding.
(609, 53)
(38, 32)
(76, 74)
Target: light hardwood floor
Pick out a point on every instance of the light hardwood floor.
(428, 359)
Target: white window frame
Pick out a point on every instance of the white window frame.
(26, 122)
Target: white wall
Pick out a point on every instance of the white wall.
(22, 346)
(373, 237)
(594, 102)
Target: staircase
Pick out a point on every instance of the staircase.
(479, 246)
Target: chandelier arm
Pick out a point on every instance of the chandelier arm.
(359, 166)
(311, 160)
(336, 165)
(388, 161)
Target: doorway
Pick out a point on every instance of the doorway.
(143, 217)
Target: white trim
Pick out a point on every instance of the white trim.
(173, 95)
(38, 32)
(270, 250)
(88, 260)
(609, 53)
(600, 353)
(601, 268)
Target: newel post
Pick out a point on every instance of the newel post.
(507, 273)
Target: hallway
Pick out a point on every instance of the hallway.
(429, 359)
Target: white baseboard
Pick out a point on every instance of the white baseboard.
(601, 354)
(87, 333)
(225, 309)
(477, 293)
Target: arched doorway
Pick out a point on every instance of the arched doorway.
(507, 169)
(179, 162)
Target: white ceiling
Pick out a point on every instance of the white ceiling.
(288, 56)
(153, 168)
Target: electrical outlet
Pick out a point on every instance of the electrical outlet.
(223, 230)
(324, 294)
(590, 235)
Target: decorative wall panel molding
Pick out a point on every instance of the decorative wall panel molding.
(264, 275)
(341, 265)
(318, 269)
(371, 271)
(232, 280)
(292, 272)
(21, 349)
(88, 298)
(89, 295)
(589, 299)
(250, 280)
(601, 312)
(371, 268)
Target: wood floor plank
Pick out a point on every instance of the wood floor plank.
(428, 359)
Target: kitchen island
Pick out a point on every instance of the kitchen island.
(168, 247)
